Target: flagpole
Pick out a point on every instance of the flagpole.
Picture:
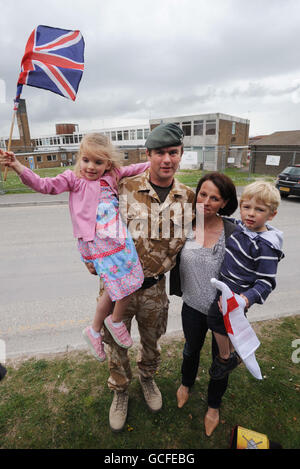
(9, 140)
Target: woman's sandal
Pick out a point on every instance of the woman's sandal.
(182, 395)
(211, 422)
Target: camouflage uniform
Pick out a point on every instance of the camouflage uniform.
(159, 233)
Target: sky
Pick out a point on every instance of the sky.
(147, 59)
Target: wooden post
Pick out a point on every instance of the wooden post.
(9, 140)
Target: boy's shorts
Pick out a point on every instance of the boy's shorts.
(215, 317)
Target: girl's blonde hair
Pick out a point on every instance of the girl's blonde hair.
(100, 146)
(264, 192)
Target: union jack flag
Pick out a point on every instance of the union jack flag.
(53, 60)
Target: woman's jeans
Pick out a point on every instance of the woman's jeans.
(195, 328)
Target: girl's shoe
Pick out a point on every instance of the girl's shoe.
(119, 334)
(95, 344)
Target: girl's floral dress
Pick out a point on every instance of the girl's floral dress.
(112, 251)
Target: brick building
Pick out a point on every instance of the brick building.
(213, 138)
(218, 139)
(271, 154)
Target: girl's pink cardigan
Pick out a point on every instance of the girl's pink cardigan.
(84, 194)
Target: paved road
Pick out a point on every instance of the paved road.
(47, 297)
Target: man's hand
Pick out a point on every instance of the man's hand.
(91, 268)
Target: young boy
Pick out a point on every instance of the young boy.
(250, 264)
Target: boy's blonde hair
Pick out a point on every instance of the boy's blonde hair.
(264, 192)
(100, 146)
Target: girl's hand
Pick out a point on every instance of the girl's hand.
(8, 158)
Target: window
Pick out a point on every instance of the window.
(119, 134)
(233, 128)
(51, 157)
(292, 170)
(139, 134)
(187, 128)
(146, 133)
(126, 155)
(198, 127)
(39, 159)
(132, 134)
(113, 136)
(67, 139)
(64, 156)
(210, 127)
(126, 135)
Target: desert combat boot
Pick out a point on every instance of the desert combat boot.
(151, 393)
(118, 411)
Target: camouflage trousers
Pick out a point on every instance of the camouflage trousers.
(150, 309)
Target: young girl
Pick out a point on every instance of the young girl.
(103, 240)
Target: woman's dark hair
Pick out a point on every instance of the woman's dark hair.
(226, 189)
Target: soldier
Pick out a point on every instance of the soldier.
(155, 203)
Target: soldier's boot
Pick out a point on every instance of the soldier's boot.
(151, 393)
(118, 411)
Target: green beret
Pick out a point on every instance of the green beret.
(164, 135)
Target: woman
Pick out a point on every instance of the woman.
(199, 261)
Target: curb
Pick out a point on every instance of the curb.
(31, 204)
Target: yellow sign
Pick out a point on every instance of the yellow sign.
(248, 439)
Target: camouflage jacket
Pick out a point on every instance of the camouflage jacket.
(158, 229)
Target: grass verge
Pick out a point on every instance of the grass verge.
(240, 177)
(63, 402)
